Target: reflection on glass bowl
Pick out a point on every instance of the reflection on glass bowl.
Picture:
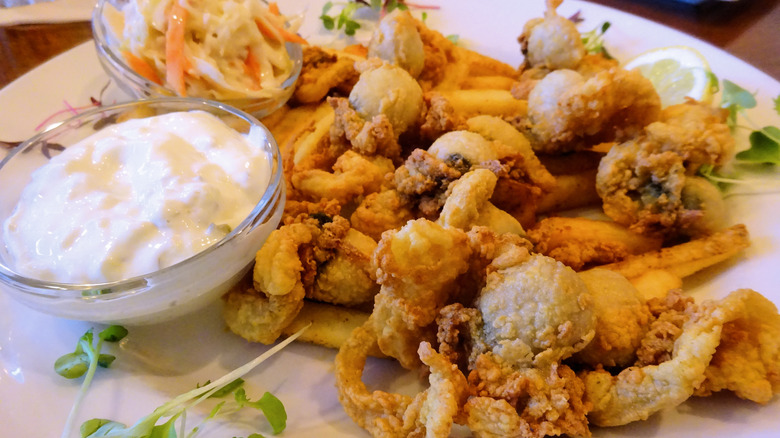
(168, 292)
(140, 87)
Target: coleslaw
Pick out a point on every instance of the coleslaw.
(216, 49)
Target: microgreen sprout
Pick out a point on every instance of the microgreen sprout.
(594, 40)
(764, 142)
(83, 361)
(345, 20)
(176, 410)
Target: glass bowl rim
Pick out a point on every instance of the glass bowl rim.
(272, 195)
(104, 49)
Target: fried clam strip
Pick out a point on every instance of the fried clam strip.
(319, 257)
(352, 176)
(430, 413)
(747, 360)
(638, 392)
(468, 204)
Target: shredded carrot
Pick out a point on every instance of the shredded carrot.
(140, 66)
(175, 62)
(253, 68)
(274, 8)
(357, 49)
(286, 34)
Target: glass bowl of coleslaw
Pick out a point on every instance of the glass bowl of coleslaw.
(139, 212)
(243, 53)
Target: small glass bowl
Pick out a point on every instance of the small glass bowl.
(139, 87)
(169, 292)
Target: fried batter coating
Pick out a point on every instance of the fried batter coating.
(468, 204)
(423, 180)
(669, 313)
(381, 211)
(535, 402)
(397, 41)
(260, 313)
(622, 319)
(579, 242)
(353, 175)
(638, 392)
(570, 112)
(347, 279)
(552, 42)
(388, 90)
(747, 360)
(323, 71)
(646, 183)
(417, 268)
(439, 117)
(430, 413)
(288, 268)
(369, 137)
(538, 312)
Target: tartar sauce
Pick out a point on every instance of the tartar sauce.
(136, 197)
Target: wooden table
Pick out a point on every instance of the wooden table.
(747, 29)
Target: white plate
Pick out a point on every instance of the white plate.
(156, 363)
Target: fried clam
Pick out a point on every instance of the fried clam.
(552, 42)
(647, 183)
(531, 313)
(317, 257)
(568, 111)
(351, 177)
(397, 41)
(417, 267)
(385, 102)
(497, 146)
(622, 320)
(640, 391)
(468, 204)
(322, 71)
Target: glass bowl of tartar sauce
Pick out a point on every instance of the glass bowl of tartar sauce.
(139, 212)
(243, 53)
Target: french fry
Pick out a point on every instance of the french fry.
(330, 325)
(487, 83)
(489, 102)
(571, 191)
(687, 258)
(656, 283)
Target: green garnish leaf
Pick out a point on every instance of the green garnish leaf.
(777, 104)
(98, 427)
(734, 95)
(175, 409)
(83, 362)
(454, 38)
(594, 40)
(764, 147)
(105, 360)
(114, 333)
(228, 389)
(72, 365)
(272, 408)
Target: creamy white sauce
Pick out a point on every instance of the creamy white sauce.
(136, 197)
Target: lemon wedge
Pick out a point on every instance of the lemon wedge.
(676, 72)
